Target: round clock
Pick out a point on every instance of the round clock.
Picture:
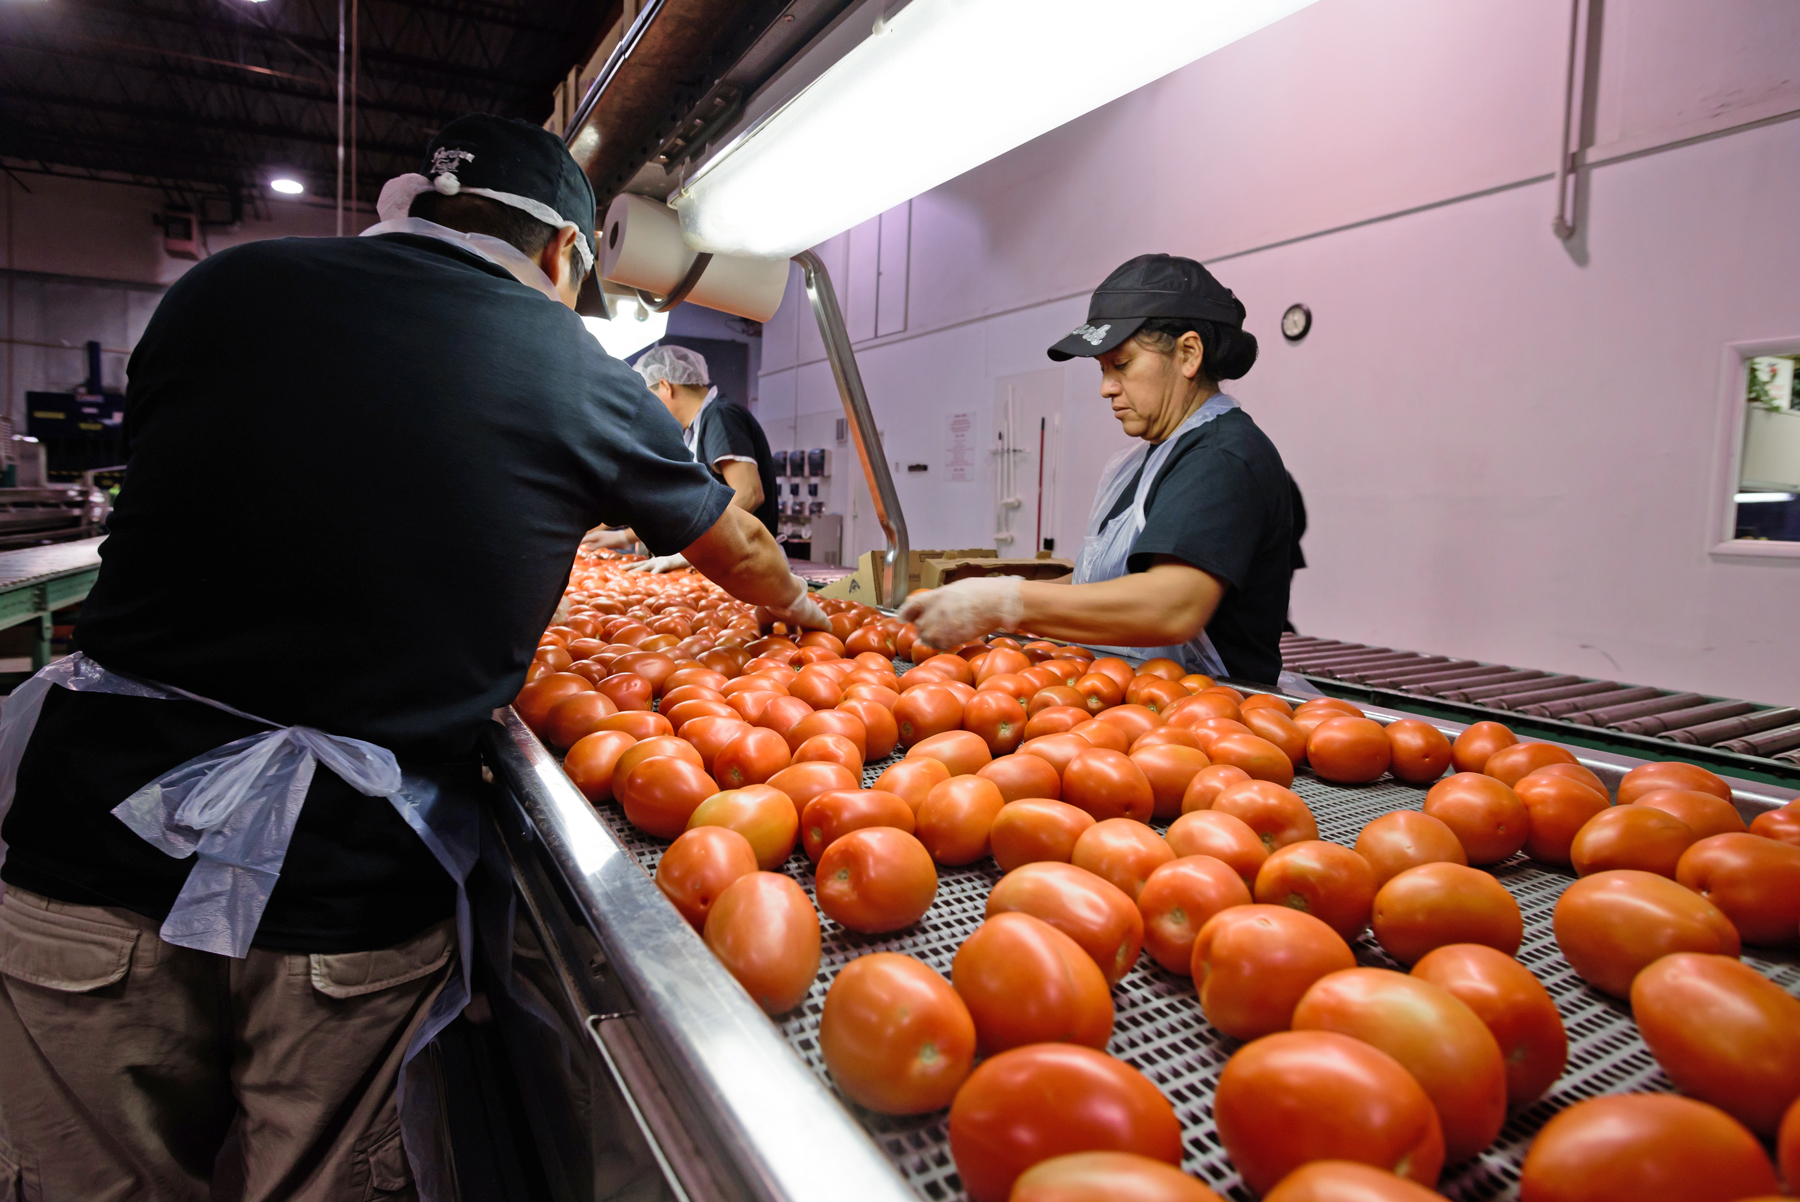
(1296, 322)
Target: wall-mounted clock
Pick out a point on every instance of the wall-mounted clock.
(1296, 322)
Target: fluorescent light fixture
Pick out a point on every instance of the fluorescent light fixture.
(1756, 498)
(942, 88)
(287, 187)
(633, 329)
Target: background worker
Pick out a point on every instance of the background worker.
(1188, 546)
(427, 429)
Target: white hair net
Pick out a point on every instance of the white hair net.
(676, 364)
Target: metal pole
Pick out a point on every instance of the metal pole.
(355, 64)
(892, 585)
(340, 121)
(1563, 225)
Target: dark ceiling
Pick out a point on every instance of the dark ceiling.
(213, 98)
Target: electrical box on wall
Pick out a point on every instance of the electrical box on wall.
(181, 236)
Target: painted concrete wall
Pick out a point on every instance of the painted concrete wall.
(1507, 443)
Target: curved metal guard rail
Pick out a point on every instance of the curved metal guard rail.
(787, 1136)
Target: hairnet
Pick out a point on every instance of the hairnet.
(676, 364)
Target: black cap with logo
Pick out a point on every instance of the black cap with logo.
(1148, 286)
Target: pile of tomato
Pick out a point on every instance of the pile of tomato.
(737, 741)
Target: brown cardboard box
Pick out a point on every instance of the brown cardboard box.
(945, 571)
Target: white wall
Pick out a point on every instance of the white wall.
(1506, 443)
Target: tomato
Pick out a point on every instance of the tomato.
(1034, 829)
(750, 759)
(656, 745)
(764, 931)
(1704, 814)
(1169, 768)
(1103, 734)
(923, 712)
(702, 677)
(1032, 1103)
(1179, 736)
(1613, 924)
(1178, 899)
(680, 713)
(841, 723)
(575, 717)
(782, 713)
(1434, 905)
(1079, 904)
(1724, 1033)
(1510, 765)
(660, 793)
(1107, 1177)
(1333, 705)
(1252, 964)
(1058, 749)
(1440, 1041)
(557, 659)
(1346, 1181)
(627, 690)
(1121, 851)
(831, 749)
(760, 814)
(895, 1036)
(804, 781)
(1754, 881)
(1163, 668)
(1670, 774)
(1788, 1141)
(1132, 720)
(639, 724)
(1052, 715)
(1277, 728)
(1107, 784)
(1066, 671)
(1405, 839)
(1630, 836)
(536, 699)
(1202, 706)
(591, 762)
(954, 819)
(1114, 669)
(1474, 745)
(1557, 806)
(961, 751)
(997, 719)
(1002, 661)
(1516, 1008)
(1208, 783)
(1023, 776)
(954, 667)
(1348, 751)
(1487, 816)
(1224, 837)
(1099, 691)
(1026, 982)
(699, 866)
(912, 780)
(1301, 1096)
(876, 879)
(880, 732)
(1020, 689)
(1332, 883)
(1420, 751)
(1640, 1147)
(1277, 815)
(1255, 755)
(830, 816)
(744, 684)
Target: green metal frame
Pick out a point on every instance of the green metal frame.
(36, 600)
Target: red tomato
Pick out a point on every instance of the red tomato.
(955, 817)
(1782, 825)
(997, 719)
(1099, 691)
(1277, 728)
(1330, 882)
(1202, 706)
(1406, 839)
(880, 732)
(535, 700)
(830, 816)
(681, 713)
(912, 780)
(1058, 749)
(831, 749)
(1107, 1177)
(1510, 765)
(1440, 1041)
(1255, 755)
(1169, 768)
(1630, 836)
(762, 815)
(639, 724)
(830, 722)
(627, 690)
(1489, 819)
(1165, 735)
(1107, 785)
(1346, 1181)
(1348, 751)
(1010, 684)
(751, 758)
(1611, 925)
(1788, 1141)
(575, 717)
(1023, 776)
(1252, 964)
(1753, 880)
(591, 762)
(1278, 815)
(660, 793)
(1301, 1096)
(895, 1035)
(644, 749)
(1644, 1146)
(699, 866)
(1103, 734)
(961, 751)
(1223, 837)
(1121, 851)
(1208, 783)
(876, 879)
(805, 781)
(1420, 751)
(1132, 720)
(1473, 746)
(781, 713)
(1177, 901)
(1082, 906)
(1435, 905)
(1034, 829)
(764, 931)
(1516, 1008)
(1557, 806)
(1703, 813)
(1670, 774)
(1724, 1033)
(1026, 982)
(1000, 1124)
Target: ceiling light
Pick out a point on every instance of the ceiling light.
(287, 187)
(942, 88)
(630, 332)
(1759, 498)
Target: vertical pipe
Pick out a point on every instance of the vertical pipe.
(355, 65)
(1038, 544)
(340, 122)
(893, 579)
(1562, 225)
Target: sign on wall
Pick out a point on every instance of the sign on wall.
(959, 447)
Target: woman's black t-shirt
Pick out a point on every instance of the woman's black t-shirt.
(1222, 503)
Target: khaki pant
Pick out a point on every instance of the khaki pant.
(133, 1069)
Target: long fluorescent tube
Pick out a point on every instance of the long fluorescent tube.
(943, 87)
(287, 187)
(1758, 498)
(630, 332)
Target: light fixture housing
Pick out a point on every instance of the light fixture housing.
(287, 186)
(943, 87)
(1762, 498)
(632, 328)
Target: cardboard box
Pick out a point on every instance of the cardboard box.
(863, 585)
(945, 571)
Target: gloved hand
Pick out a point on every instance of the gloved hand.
(607, 540)
(660, 564)
(802, 611)
(952, 615)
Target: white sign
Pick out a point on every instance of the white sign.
(959, 447)
(1772, 381)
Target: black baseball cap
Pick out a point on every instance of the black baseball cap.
(1148, 286)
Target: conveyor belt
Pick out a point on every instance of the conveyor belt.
(36, 581)
(1160, 1029)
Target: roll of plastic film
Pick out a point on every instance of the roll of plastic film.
(641, 247)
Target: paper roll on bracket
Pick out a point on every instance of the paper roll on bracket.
(641, 247)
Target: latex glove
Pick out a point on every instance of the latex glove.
(802, 610)
(660, 564)
(607, 540)
(952, 615)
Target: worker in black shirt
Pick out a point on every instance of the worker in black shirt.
(244, 812)
(1187, 548)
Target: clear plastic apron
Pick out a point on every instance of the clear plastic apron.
(235, 808)
(1108, 544)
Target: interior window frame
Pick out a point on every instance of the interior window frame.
(1733, 410)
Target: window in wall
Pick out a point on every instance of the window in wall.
(1768, 496)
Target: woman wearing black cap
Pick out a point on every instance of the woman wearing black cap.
(1188, 543)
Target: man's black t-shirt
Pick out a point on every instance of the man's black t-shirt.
(727, 432)
(360, 468)
(1222, 503)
